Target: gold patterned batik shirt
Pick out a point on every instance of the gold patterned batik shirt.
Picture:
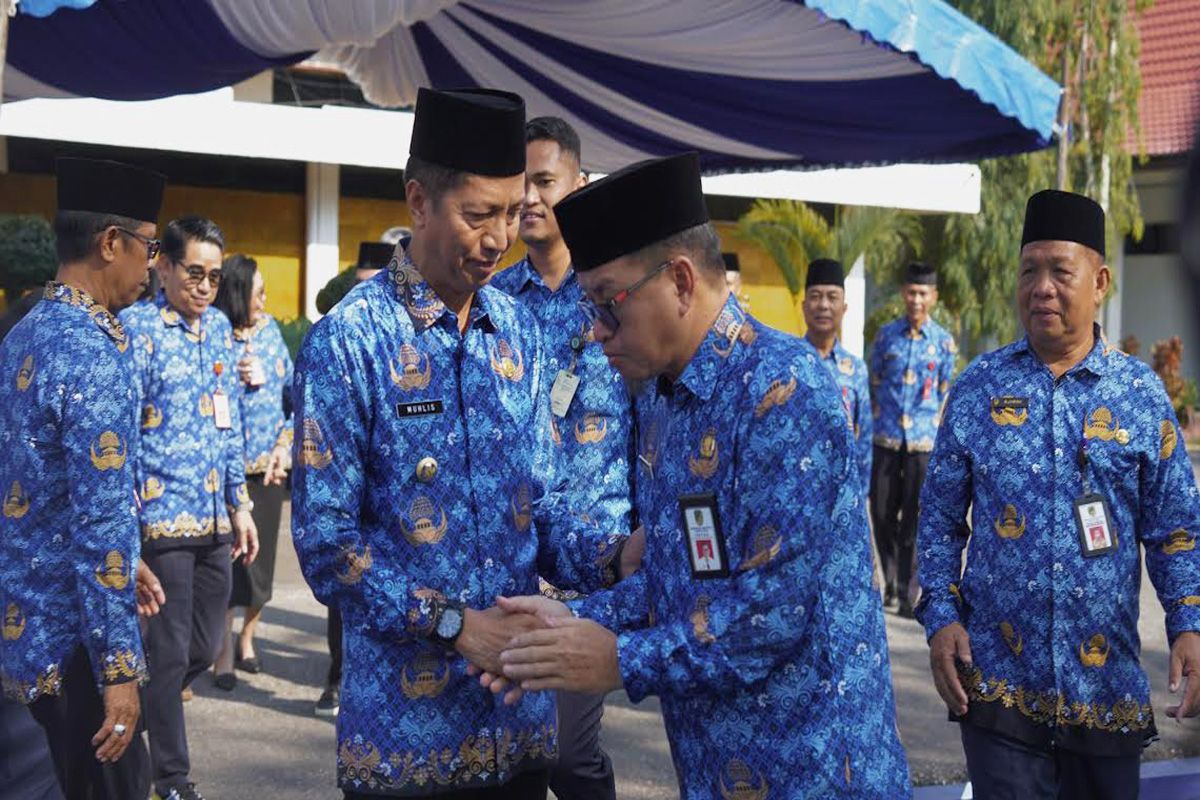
(1054, 632)
(69, 544)
(192, 473)
(264, 425)
(910, 377)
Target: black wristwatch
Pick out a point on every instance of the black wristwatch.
(448, 616)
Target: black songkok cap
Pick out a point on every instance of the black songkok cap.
(374, 255)
(109, 187)
(731, 262)
(825, 272)
(481, 131)
(920, 273)
(632, 208)
(1054, 216)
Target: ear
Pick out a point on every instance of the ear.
(419, 203)
(581, 181)
(685, 278)
(1103, 282)
(108, 245)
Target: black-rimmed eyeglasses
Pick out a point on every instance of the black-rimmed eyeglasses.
(606, 312)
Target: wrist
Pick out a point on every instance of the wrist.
(449, 622)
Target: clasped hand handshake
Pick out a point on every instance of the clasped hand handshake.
(532, 643)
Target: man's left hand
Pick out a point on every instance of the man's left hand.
(246, 533)
(150, 595)
(1185, 665)
(575, 654)
(277, 466)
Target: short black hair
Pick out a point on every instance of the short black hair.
(700, 242)
(557, 130)
(190, 229)
(436, 179)
(75, 232)
(237, 282)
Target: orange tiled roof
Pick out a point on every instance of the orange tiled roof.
(1170, 65)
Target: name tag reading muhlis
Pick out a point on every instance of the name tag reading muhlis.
(422, 409)
(705, 541)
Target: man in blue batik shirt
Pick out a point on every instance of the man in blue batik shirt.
(824, 309)
(69, 545)
(424, 477)
(1069, 457)
(195, 509)
(912, 361)
(753, 617)
(590, 410)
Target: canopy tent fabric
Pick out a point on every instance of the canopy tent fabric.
(750, 84)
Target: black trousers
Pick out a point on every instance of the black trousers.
(526, 786)
(1006, 769)
(181, 642)
(584, 771)
(896, 480)
(252, 585)
(333, 637)
(70, 720)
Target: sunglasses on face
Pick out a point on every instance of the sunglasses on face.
(196, 275)
(606, 312)
(153, 246)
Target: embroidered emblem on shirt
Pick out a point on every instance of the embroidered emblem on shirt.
(700, 620)
(507, 361)
(152, 489)
(591, 429)
(1006, 524)
(705, 465)
(1012, 638)
(313, 450)
(14, 622)
(1094, 652)
(846, 366)
(206, 405)
(112, 574)
(522, 509)
(111, 454)
(1010, 411)
(743, 783)
(1180, 541)
(25, 374)
(764, 546)
(777, 394)
(212, 481)
(1101, 425)
(424, 530)
(354, 564)
(1169, 440)
(152, 417)
(425, 676)
(410, 376)
(16, 502)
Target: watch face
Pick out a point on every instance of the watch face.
(450, 623)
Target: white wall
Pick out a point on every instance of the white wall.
(1158, 302)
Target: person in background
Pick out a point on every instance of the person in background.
(372, 257)
(824, 309)
(912, 362)
(195, 509)
(733, 278)
(264, 369)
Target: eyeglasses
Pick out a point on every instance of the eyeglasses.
(153, 246)
(196, 275)
(606, 312)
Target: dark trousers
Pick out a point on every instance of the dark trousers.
(70, 720)
(333, 637)
(584, 771)
(1006, 769)
(896, 480)
(526, 786)
(181, 642)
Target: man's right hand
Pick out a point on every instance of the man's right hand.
(950, 645)
(485, 633)
(121, 707)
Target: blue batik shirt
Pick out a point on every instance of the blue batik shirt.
(263, 422)
(69, 544)
(192, 473)
(595, 436)
(1054, 633)
(774, 680)
(850, 374)
(424, 469)
(910, 377)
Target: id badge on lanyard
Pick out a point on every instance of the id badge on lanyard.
(566, 383)
(1097, 536)
(221, 415)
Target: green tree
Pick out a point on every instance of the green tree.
(27, 257)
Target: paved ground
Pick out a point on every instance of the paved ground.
(263, 740)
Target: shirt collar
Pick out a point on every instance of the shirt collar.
(528, 275)
(105, 320)
(1095, 362)
(421, 302)
(248, 334)
(724, 344)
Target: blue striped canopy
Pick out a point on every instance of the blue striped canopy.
(750, 84)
